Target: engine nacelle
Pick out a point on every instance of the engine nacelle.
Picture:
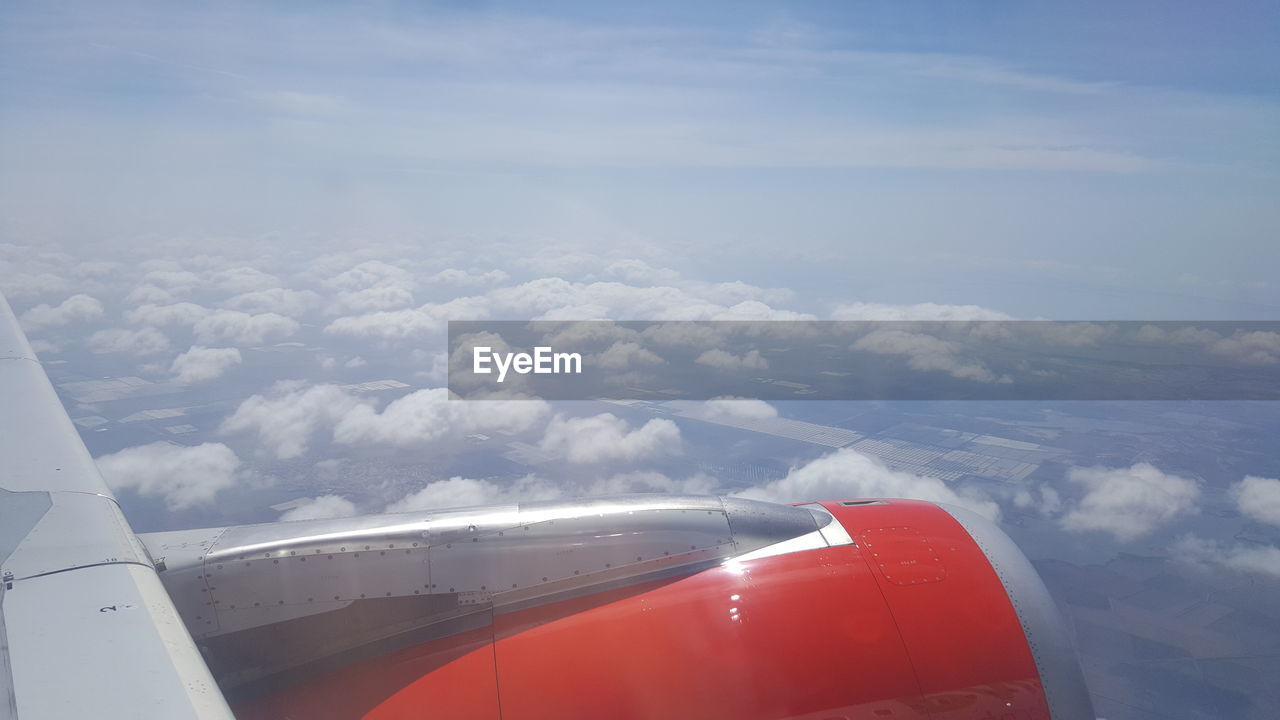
(653, 607)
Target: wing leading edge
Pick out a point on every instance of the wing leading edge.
(86, 628)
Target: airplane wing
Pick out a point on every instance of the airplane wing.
(87, 630)
(643, 606)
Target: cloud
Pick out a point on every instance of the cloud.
(1256, 559)
(201, 364)
(723, 360)
(756, 310)
(461, 492)
(77, 308)
(1044, 500)
(237, 328)
(146, 293)
(462, 278)
(397, 325)
(645, 481)
(926, 353)
(738, 408)
(281, 301)
(17, 286)
(320, 508)
(243, 280)
(451, 493)
(287, 420)
(640, 272)
(1128, 502)
(176, 314)
(848, 474)
(1259, 347)
(1258, 498)
(624, 355)
(183, 476)
(373, 285)
(176, 280)
(429, 415)
(608, 437)
(144, 341)
(1255, 347)
(919, 311)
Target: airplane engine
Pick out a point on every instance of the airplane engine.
(631, 607)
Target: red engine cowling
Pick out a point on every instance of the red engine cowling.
(930, 612)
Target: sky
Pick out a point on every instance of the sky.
(1097, 160)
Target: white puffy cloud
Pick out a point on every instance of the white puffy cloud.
(463, 278)
(428, 415)
(638, 271)
(239, 280)
(143, 341)
(201, 364)
(452, 493)
(553, 298)
(24, 285)
(646, 481)
(382, 297)
(737, 408)
(926, 353)
(848, 474)
(320, 508)
(1258, 498)
(1044, 500)
(175, 314)
(624, 355)
(373, 285)
(1253, 347)
(281, 301)
(1258, 347)
(370, 273)
(1256, 559)
(237, 328)
(756, 310)
(461, 492)
(287, 420)
(919, 311)
(177, 280)
(724, 360)
(96, 268)
(416, 323)
(608, 437)
(183, 476)
(1128, 502)
(148, 294)
(77, 308)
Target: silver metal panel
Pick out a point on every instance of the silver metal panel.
(237, 578)
(552, 550)
(1056, 659)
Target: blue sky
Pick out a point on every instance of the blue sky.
(1082, 160)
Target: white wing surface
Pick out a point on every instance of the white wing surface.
(86, 628)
